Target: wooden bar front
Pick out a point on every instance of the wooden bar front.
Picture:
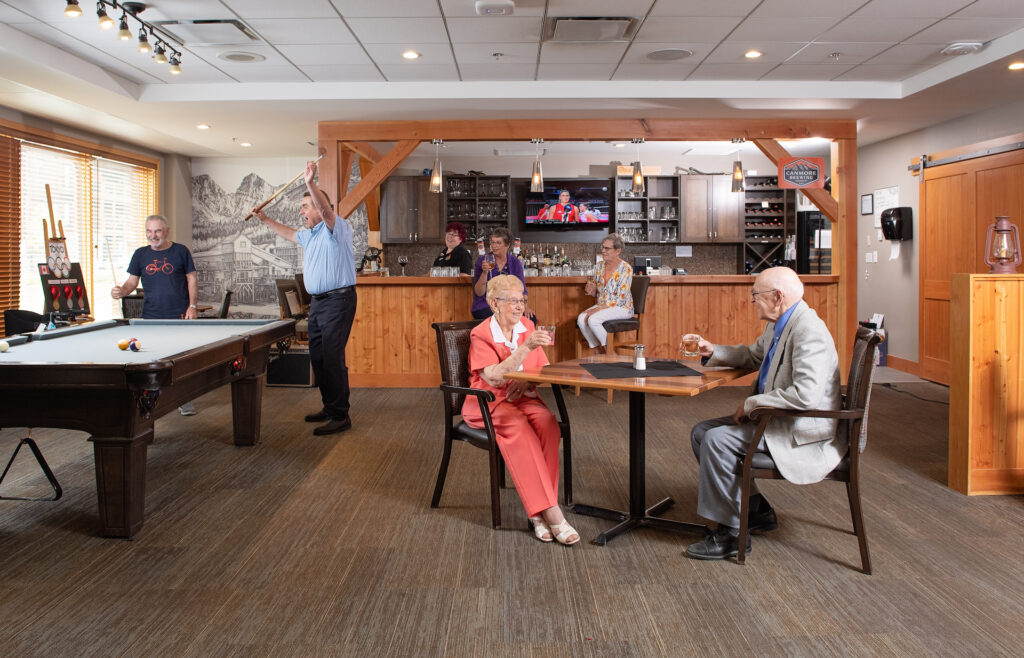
(393, 344)
(986, 394)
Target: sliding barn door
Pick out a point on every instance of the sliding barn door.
(958, 202)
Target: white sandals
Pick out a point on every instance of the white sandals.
(563, 531)
(541, 529)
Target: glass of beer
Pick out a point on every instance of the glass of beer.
(689, 346)
(549, 329)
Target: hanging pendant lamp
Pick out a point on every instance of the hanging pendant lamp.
(638, 170)
(435, 173)
(537, 178)
(737, 176)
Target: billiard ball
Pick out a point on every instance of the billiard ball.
(123, 343)
(134, 344)
(4, 346)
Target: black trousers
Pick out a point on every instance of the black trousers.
(330, 323)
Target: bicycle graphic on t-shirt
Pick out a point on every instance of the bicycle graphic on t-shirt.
(153, 268)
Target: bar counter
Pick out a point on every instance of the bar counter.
(393, 345)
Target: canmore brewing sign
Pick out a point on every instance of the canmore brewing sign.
(801, 172)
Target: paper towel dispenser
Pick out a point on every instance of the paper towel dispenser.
(896, 223)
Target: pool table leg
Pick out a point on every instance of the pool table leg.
(121, 482)
(246, 405)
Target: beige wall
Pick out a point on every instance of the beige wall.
(890, 287)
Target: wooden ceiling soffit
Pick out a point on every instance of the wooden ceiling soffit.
(381, 170)
(364, 150)
(586, 129)
(372, 199)
(818, 196)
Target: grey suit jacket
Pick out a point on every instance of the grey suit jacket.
(803, 374)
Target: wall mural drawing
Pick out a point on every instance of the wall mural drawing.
(246, 257)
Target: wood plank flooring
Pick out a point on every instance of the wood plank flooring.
(310, 545)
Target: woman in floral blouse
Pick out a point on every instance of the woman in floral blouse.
(611, 283)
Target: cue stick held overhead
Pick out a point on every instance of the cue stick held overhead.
(322, 151)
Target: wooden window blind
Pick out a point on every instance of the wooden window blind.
(10, 224)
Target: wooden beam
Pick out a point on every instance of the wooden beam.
(818, 196)
(327, 171)
(583, 129)
(844, 245)
(375, 176)
(364, 150)
(344, 172)
(373, 200)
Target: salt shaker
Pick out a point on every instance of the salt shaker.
(639, 360)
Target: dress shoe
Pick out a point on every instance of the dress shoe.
(718, 545)
(761, 517)
(334, 426)
(318, 417)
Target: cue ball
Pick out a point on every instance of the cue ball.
(123, 343)
(134, 344)
(4, 346)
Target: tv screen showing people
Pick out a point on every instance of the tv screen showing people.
(569, 202)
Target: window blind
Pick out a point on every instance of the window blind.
(10, 224)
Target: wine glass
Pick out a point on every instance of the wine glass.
(403, 261)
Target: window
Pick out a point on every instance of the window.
(101, 205)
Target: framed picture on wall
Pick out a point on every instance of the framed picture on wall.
(867, 204)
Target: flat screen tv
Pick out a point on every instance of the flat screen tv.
(589, 203)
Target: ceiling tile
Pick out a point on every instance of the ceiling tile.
(387, 8)
(497, 71)
(398, 30)
(874, 30)
(771, 52)
(575, 71)
(993, 9)
(806, 71)
(968, 29)
(342, 54)
(655, 71)
(466, 8)
(433, 54)
(638, 51)
(482, 30)
(911, 8)
(781, 29)
(801, 8)
(342, 73)
(746, 71)
(303, 30)
(250, 9)
(426, 72)
(183, 10)
(483, 53)
(911, 54)
(257, 73)
(211, 54)
(681, 30)
(887, 72)
(849, 53)
(703, 8)
(582, 53)
(635, 8)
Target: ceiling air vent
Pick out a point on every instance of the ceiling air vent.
(209, 32)
(590, 29)
(962, 48)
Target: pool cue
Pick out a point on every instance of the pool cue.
(323, 152)
(49, 205)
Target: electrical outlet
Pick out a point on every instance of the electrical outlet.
(874, 256)
(867, 240)
(867, 256)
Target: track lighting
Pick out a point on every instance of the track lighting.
(151, 38)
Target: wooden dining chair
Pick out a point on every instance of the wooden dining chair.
(853, 427)
(453, 354)
(638, 288)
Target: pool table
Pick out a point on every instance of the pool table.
(77, 378)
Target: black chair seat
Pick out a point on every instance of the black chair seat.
(476, 435)
(628, 324)
(764, 461)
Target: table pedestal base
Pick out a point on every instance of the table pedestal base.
(629, 522)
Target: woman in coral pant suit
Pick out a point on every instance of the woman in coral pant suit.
(527, 432)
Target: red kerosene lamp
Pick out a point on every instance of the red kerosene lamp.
(1002, 247)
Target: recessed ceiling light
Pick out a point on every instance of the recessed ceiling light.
(203, 126)
(411, 54)
(1016, 66)
(241, 57)
(244, 144)
(669, 54)
(752, 54)
(620, 145)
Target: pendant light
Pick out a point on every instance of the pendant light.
(638, 170)
(737, 169)
(435, 173)
(537, 178)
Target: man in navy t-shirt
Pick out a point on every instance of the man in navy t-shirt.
(167, 273)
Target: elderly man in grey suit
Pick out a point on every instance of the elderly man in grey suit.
(798, 369)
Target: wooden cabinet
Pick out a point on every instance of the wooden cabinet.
(769, 219)
(480, 203)
(711, 210)
(410, 212)
(649, 217)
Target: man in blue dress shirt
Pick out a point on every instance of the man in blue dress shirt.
(329, 274)
(798, 369)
